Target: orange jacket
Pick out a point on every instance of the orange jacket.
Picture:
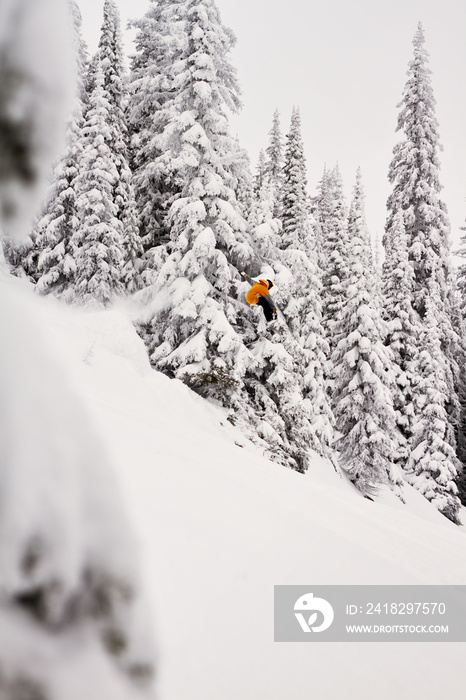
(260, 288)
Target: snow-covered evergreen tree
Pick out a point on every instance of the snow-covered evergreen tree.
(285, 418)
(269, 178)
(263, 206)
(274, 164)
(432, 466)
(107, 239)
(298, 295)
(300, 289)
(193, 320)
(260, 172)
(414, 174)
(284, 388)
(20, 258)
(99, 236)
(51, 259)
(378, 257)
(295, 215)
(362, 370)
(239, 165)
(110, 60)
(160, 44)
(333, 223)
(459, 324)
(461, 275)
(357, 226)
(320, 207)
(403, 327)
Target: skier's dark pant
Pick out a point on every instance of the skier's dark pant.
(267, 308)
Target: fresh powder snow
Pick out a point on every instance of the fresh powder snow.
(218, 525)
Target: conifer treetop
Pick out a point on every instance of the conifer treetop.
(274, 150)
(357, 223)
(415, 175)
(295, 214)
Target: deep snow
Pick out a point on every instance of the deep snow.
(219, 526)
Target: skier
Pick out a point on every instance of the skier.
(259, 294)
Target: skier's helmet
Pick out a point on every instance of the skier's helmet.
(270, 283)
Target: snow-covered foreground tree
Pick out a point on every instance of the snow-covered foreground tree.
(362, 371)
(30, 117)
(47, 253)
(71, 611)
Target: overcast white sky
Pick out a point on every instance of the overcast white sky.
(343, 62)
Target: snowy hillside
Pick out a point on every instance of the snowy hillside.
(219, 526)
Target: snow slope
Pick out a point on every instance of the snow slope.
(219, 526)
